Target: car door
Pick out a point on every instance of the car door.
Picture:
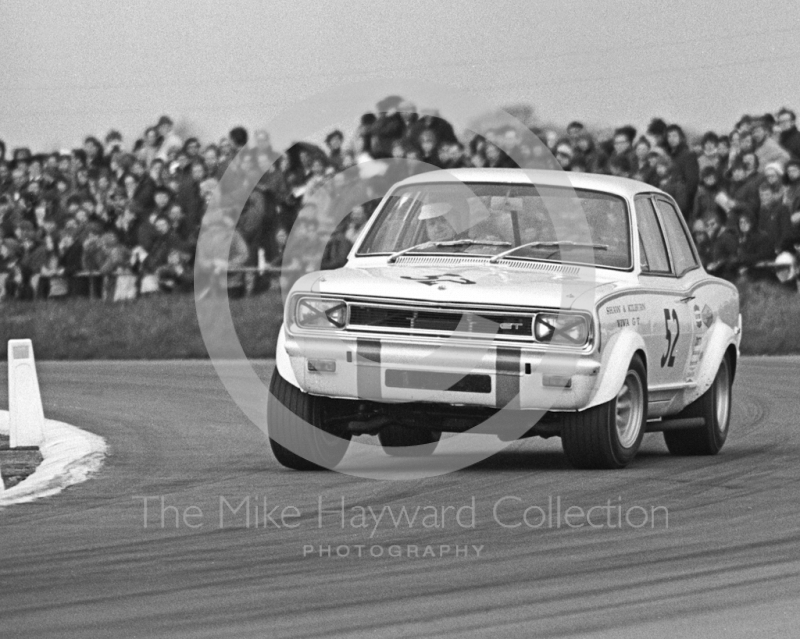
(668, 331)
(686, 264)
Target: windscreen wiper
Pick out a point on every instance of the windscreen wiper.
(465, 242)
(601, 247)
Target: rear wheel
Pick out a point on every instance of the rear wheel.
(609, 435)
(715, 407)
(400, 441)
(300, 433)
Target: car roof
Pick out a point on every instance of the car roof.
(623, 187)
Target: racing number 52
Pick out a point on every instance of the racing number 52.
(668, 358)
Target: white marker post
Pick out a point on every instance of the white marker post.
(26, 415)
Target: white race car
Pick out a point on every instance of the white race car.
(575, 302)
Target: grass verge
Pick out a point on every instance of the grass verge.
(155, 327)
(770, 320)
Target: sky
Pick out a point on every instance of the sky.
(81, 67)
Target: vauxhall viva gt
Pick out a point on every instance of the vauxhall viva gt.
(575, 301)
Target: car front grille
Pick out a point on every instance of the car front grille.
(402, 319)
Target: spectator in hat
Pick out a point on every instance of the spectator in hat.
(686, 168)
(238, 138)
(574, 130)
(765, 146)
(388, 128)
(408, 111)
(169, 140)
(431, 120)
(774, 176)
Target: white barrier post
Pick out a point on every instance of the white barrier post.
(26, 415)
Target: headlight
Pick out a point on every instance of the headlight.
(314, 312)
(557, 328)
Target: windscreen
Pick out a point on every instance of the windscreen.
(559, 224)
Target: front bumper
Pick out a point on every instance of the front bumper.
(391, 370)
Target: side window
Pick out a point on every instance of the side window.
(682, 253)
(651, 241)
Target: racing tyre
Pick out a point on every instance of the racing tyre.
(715, 407)
(296, 426)
(399, 441)
(609, 435)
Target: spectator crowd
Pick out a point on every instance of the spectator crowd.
(119, 220)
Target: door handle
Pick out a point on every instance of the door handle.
(687, 299)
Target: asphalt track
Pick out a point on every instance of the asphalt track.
(83, 564)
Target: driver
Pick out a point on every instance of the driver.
(436, 217)
(445, 222)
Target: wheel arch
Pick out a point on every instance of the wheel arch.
(617, 356)
(721, 343)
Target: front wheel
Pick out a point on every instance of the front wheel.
(609, 435)
(714, 406)
(299, 427)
